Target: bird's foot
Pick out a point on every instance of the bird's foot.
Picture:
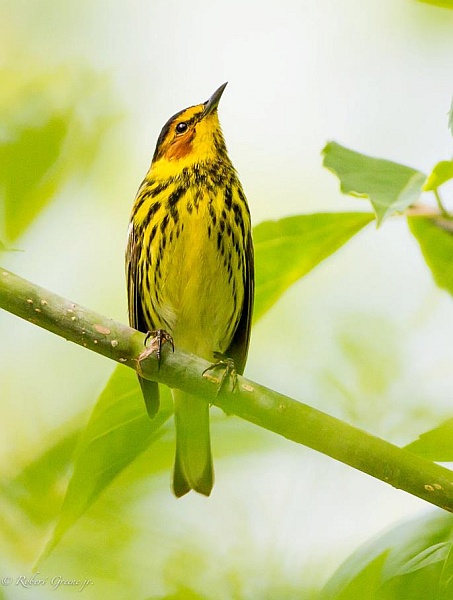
(229, 372)
(154, 340)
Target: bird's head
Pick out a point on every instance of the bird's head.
(191, 136)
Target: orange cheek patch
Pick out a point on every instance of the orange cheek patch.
(180, 148)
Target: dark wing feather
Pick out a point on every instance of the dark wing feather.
(150, 389)
(239, 346)
(133, 251)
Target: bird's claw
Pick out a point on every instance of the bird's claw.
(229, 371)
(158, 338)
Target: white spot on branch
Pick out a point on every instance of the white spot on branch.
(101, 329)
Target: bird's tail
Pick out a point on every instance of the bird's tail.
(193, 462)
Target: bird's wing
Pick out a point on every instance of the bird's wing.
(136, 317)
(239, 346)
(137, 320)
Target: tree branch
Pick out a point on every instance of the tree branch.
(251, 401)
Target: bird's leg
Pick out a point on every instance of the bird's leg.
(158, 338)
(229, 371)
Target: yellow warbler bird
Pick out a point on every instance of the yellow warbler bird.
(189, 267)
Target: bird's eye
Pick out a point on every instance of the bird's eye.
(181, 127)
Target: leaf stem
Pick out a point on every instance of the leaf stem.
(440, 204)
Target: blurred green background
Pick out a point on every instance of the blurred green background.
(86, 87)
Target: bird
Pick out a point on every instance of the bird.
(190, 270)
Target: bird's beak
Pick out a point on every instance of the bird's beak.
(211, 105)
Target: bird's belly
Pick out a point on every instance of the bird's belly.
(202, 290)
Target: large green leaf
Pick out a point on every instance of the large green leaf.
(436, 243)
(288, 249)
(436, 444)
(413, 560)
(367, 579)
(391, 187)
(27, 179)
(118, 431)
(52, 124)
(32, 498)
(37, 488)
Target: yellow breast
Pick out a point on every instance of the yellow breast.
(193, 263)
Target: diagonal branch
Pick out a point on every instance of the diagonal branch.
(251, 401)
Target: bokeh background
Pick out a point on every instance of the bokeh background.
(366, 336)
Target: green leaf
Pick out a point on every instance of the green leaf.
(116, 437)
(52, 124)
(118, 431)
(441, 173)
(368, 579)
(31, 500)
(288, 249)
(436, 444)
(436, 243)
(432, 555)
(446, 577)
(391, 187)
(5, 248)
(27, 178)
(405, 562)
(440, 3)
(37, 489)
